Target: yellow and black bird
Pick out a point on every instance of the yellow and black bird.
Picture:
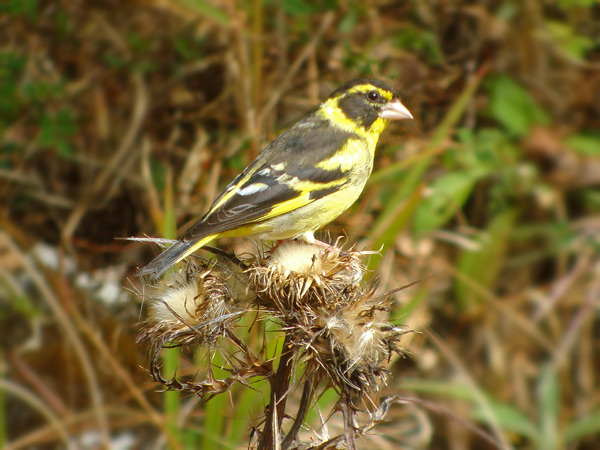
(304, 179)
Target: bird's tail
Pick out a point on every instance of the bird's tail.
(171, 256)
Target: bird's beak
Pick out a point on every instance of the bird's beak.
(395, 110)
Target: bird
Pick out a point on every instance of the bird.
(301, 181)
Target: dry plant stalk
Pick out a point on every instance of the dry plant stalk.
(336, 330)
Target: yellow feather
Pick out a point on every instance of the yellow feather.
(197, 245)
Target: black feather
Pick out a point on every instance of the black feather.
(164, 261)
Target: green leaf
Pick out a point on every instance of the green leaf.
(485, 149)
(509, 419)
(137, 43)
(349, 21)
(506, 416)
(513, 107)
(483, 266)
(591, 200)
(114, 61)
(297, 7)
(564, 35)
(585, 143)
(11, 67)
(248, 403)
(420, 40)
(203, 8)
(449, 193)
(55, 132)
(215, 418)
(582, 427)
(39, 92)
(187, 47)
(417, 298)
(20, 8)
(567, 4)
(448, 389)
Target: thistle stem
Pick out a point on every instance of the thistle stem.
(280, 384)
(349, 429)
(292, 436)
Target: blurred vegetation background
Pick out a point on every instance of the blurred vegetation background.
(123, 118)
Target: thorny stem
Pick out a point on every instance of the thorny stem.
(280, 383)
(301, 415)
(349, 429)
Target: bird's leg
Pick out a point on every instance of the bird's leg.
(309, 238)
(315, 242)
(323, 245)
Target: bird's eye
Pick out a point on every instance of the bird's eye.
(373, 96)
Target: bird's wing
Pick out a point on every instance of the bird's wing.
(283, 178)
(267, 193)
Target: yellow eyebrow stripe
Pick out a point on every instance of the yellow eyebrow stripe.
(364, 88)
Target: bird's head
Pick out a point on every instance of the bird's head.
(368, 105)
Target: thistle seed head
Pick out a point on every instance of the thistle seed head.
(340, 323)
(194, 304)
(354, 343)
(297, 277)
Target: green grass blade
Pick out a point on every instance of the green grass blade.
(549, 395)
(581, 428)
(206, 9)
(507, 417)
(215, 417)
(170, 356)
(484, 265)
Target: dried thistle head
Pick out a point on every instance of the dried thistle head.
(353, 343)
(340, 325)
(297, 277)
(195, 304)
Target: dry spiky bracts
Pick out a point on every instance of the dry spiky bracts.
(336, 328)
(195, 305)
(353, 345)
(297, 277)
